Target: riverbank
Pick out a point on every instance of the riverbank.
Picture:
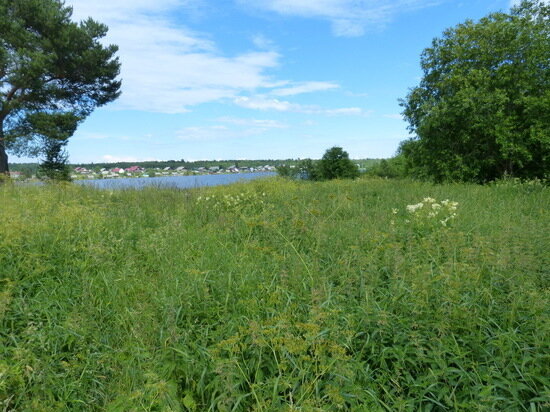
(275, 295)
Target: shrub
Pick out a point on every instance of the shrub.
(392, 168)
(54, 165)
(336, 164)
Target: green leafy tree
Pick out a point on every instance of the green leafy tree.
(285, 171)
(392, 168)
(336, 164)
(305, 169)
(50, 67)
(308, 169)
(482, 108)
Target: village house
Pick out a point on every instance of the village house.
(135, 169)
(82, 170)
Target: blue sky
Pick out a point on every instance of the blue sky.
(270, 79)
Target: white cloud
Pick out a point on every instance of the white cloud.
(259, 123)
(91, 135)
(348, 17)
(265, 104)
(346, 111)
(395, 116)
(228, 127)
(220, 132)
(306, 87)
(123, 9)
(262, 42)
(118, 159)
(356, 94)
(167, 68)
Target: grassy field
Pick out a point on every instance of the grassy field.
(276, 296)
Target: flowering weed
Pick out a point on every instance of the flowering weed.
(428, 215)
(234, 203)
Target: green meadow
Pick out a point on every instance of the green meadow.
(276, 295)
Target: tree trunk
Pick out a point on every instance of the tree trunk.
(4, 169)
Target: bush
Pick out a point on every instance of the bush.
(285, 171)
(336, 164)
(392, 168)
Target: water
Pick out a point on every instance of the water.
(179, 182)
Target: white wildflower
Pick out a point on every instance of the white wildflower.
(414, 208)
(431, 212)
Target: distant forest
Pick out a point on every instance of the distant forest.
(30, 169)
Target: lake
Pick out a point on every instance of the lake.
(178, 182)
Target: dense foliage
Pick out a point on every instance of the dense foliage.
(305, 169)
(54, 165)
(335, 164)
(394, 167)
(482, 109)
(52, 72)
(52, 132)
(276, 295)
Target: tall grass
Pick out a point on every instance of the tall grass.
(274, 296)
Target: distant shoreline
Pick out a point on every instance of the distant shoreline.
(174, 182)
